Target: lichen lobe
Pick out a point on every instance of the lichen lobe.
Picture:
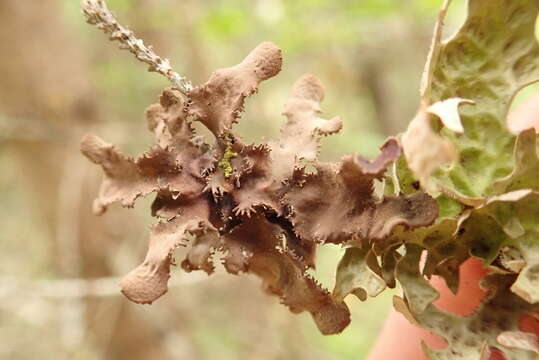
(257, 205)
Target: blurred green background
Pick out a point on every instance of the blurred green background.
(60, 78)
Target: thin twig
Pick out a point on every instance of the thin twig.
(11, 287)
(98, 14)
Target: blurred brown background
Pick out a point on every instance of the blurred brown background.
(61, 78)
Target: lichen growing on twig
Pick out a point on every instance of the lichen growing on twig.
(457, 184)
(241, 199)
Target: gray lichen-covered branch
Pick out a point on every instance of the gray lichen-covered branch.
(98, 14)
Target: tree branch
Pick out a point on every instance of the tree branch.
(98, 14)
(74, 288)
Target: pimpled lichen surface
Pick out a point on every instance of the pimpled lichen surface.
(458, 184)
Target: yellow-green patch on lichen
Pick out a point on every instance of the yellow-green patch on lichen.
(224, 163)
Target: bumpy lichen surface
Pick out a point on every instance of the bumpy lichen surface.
(487, 192)
(458, 184)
